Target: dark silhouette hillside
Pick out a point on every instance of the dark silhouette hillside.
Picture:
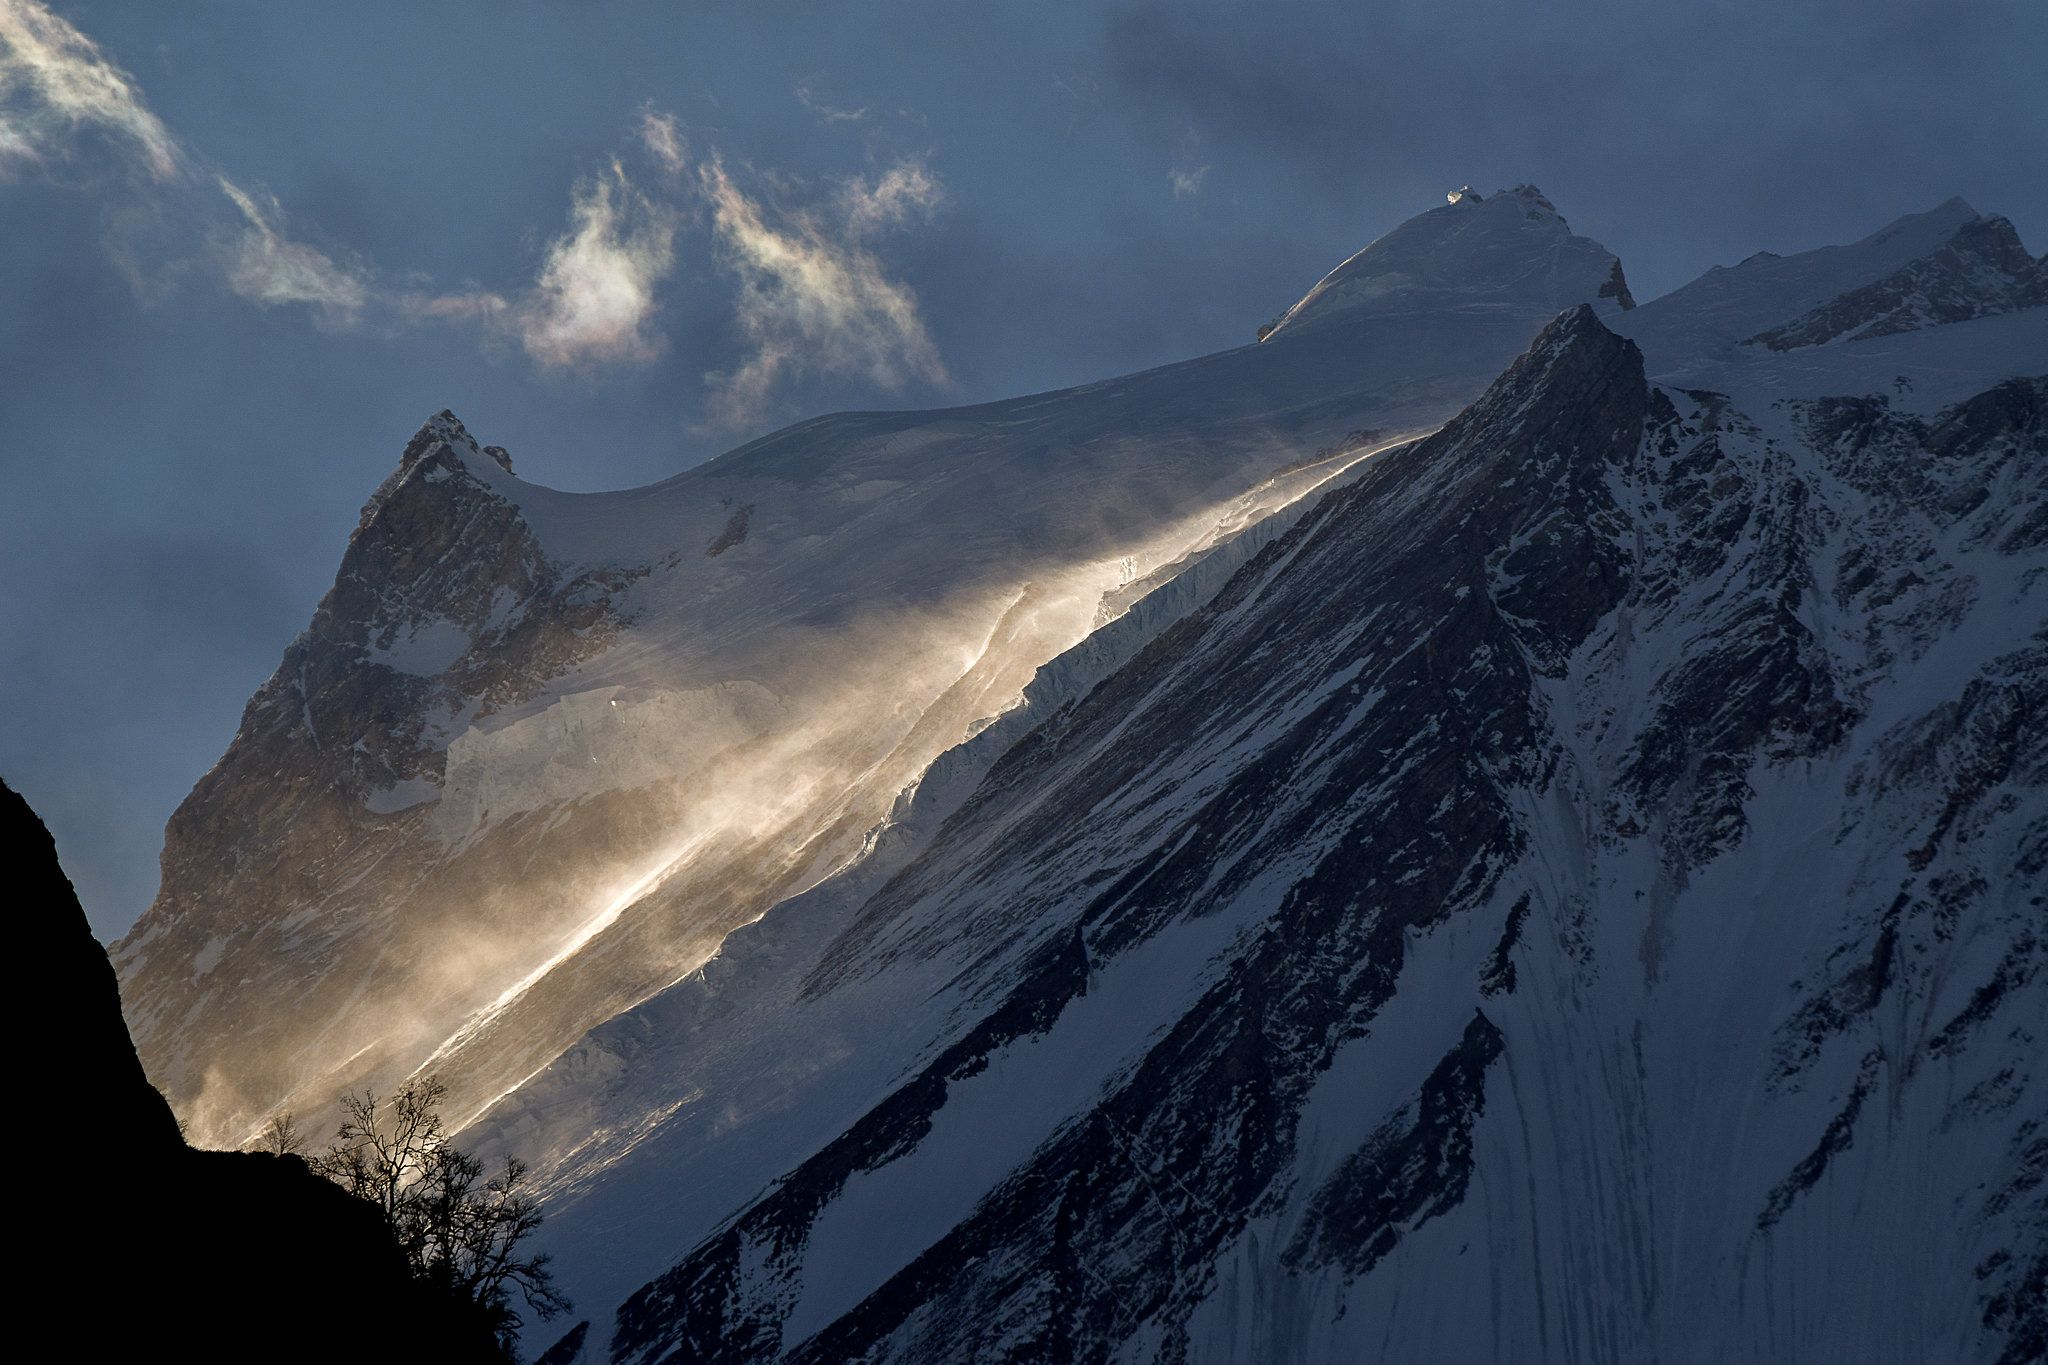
(192, 1255)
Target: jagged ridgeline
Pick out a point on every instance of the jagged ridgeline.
(1493, 823)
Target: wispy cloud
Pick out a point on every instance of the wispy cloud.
(905, 193)
(265, 267)
(55, 83)
(829, 113)
(663, 140)
(595, 293)
(813, 296)
(414, 305)
(590, 302)
(1187, 181)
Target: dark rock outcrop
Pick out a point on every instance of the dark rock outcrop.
(1417, 1163)
(1616, 288)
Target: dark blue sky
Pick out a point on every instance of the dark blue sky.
(621, 237)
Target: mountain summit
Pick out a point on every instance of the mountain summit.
(1510, 250)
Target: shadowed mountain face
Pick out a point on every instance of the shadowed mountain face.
(221, 1256)
(1394, 842)
(1376, 607)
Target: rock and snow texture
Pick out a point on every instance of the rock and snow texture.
(1981, 270)
(1571, 890)
(1577, 895)
(1732, 304)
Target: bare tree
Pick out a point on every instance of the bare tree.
(463, 1236)
(281, 1137)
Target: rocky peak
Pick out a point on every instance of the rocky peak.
(444, 432)
(443, 428)
(1533, 198)
(446, 608)
(441, 469)
(1980, 270)
(1540, 442)
(1575, 346)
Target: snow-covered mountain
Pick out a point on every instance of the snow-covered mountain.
(1362, 846)
(538, 752)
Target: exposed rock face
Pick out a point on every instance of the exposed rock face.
(1520, 888)
(1981, 271)
(1416, 1165)
(219, 1256)
(1616, 288)
(444, 612)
